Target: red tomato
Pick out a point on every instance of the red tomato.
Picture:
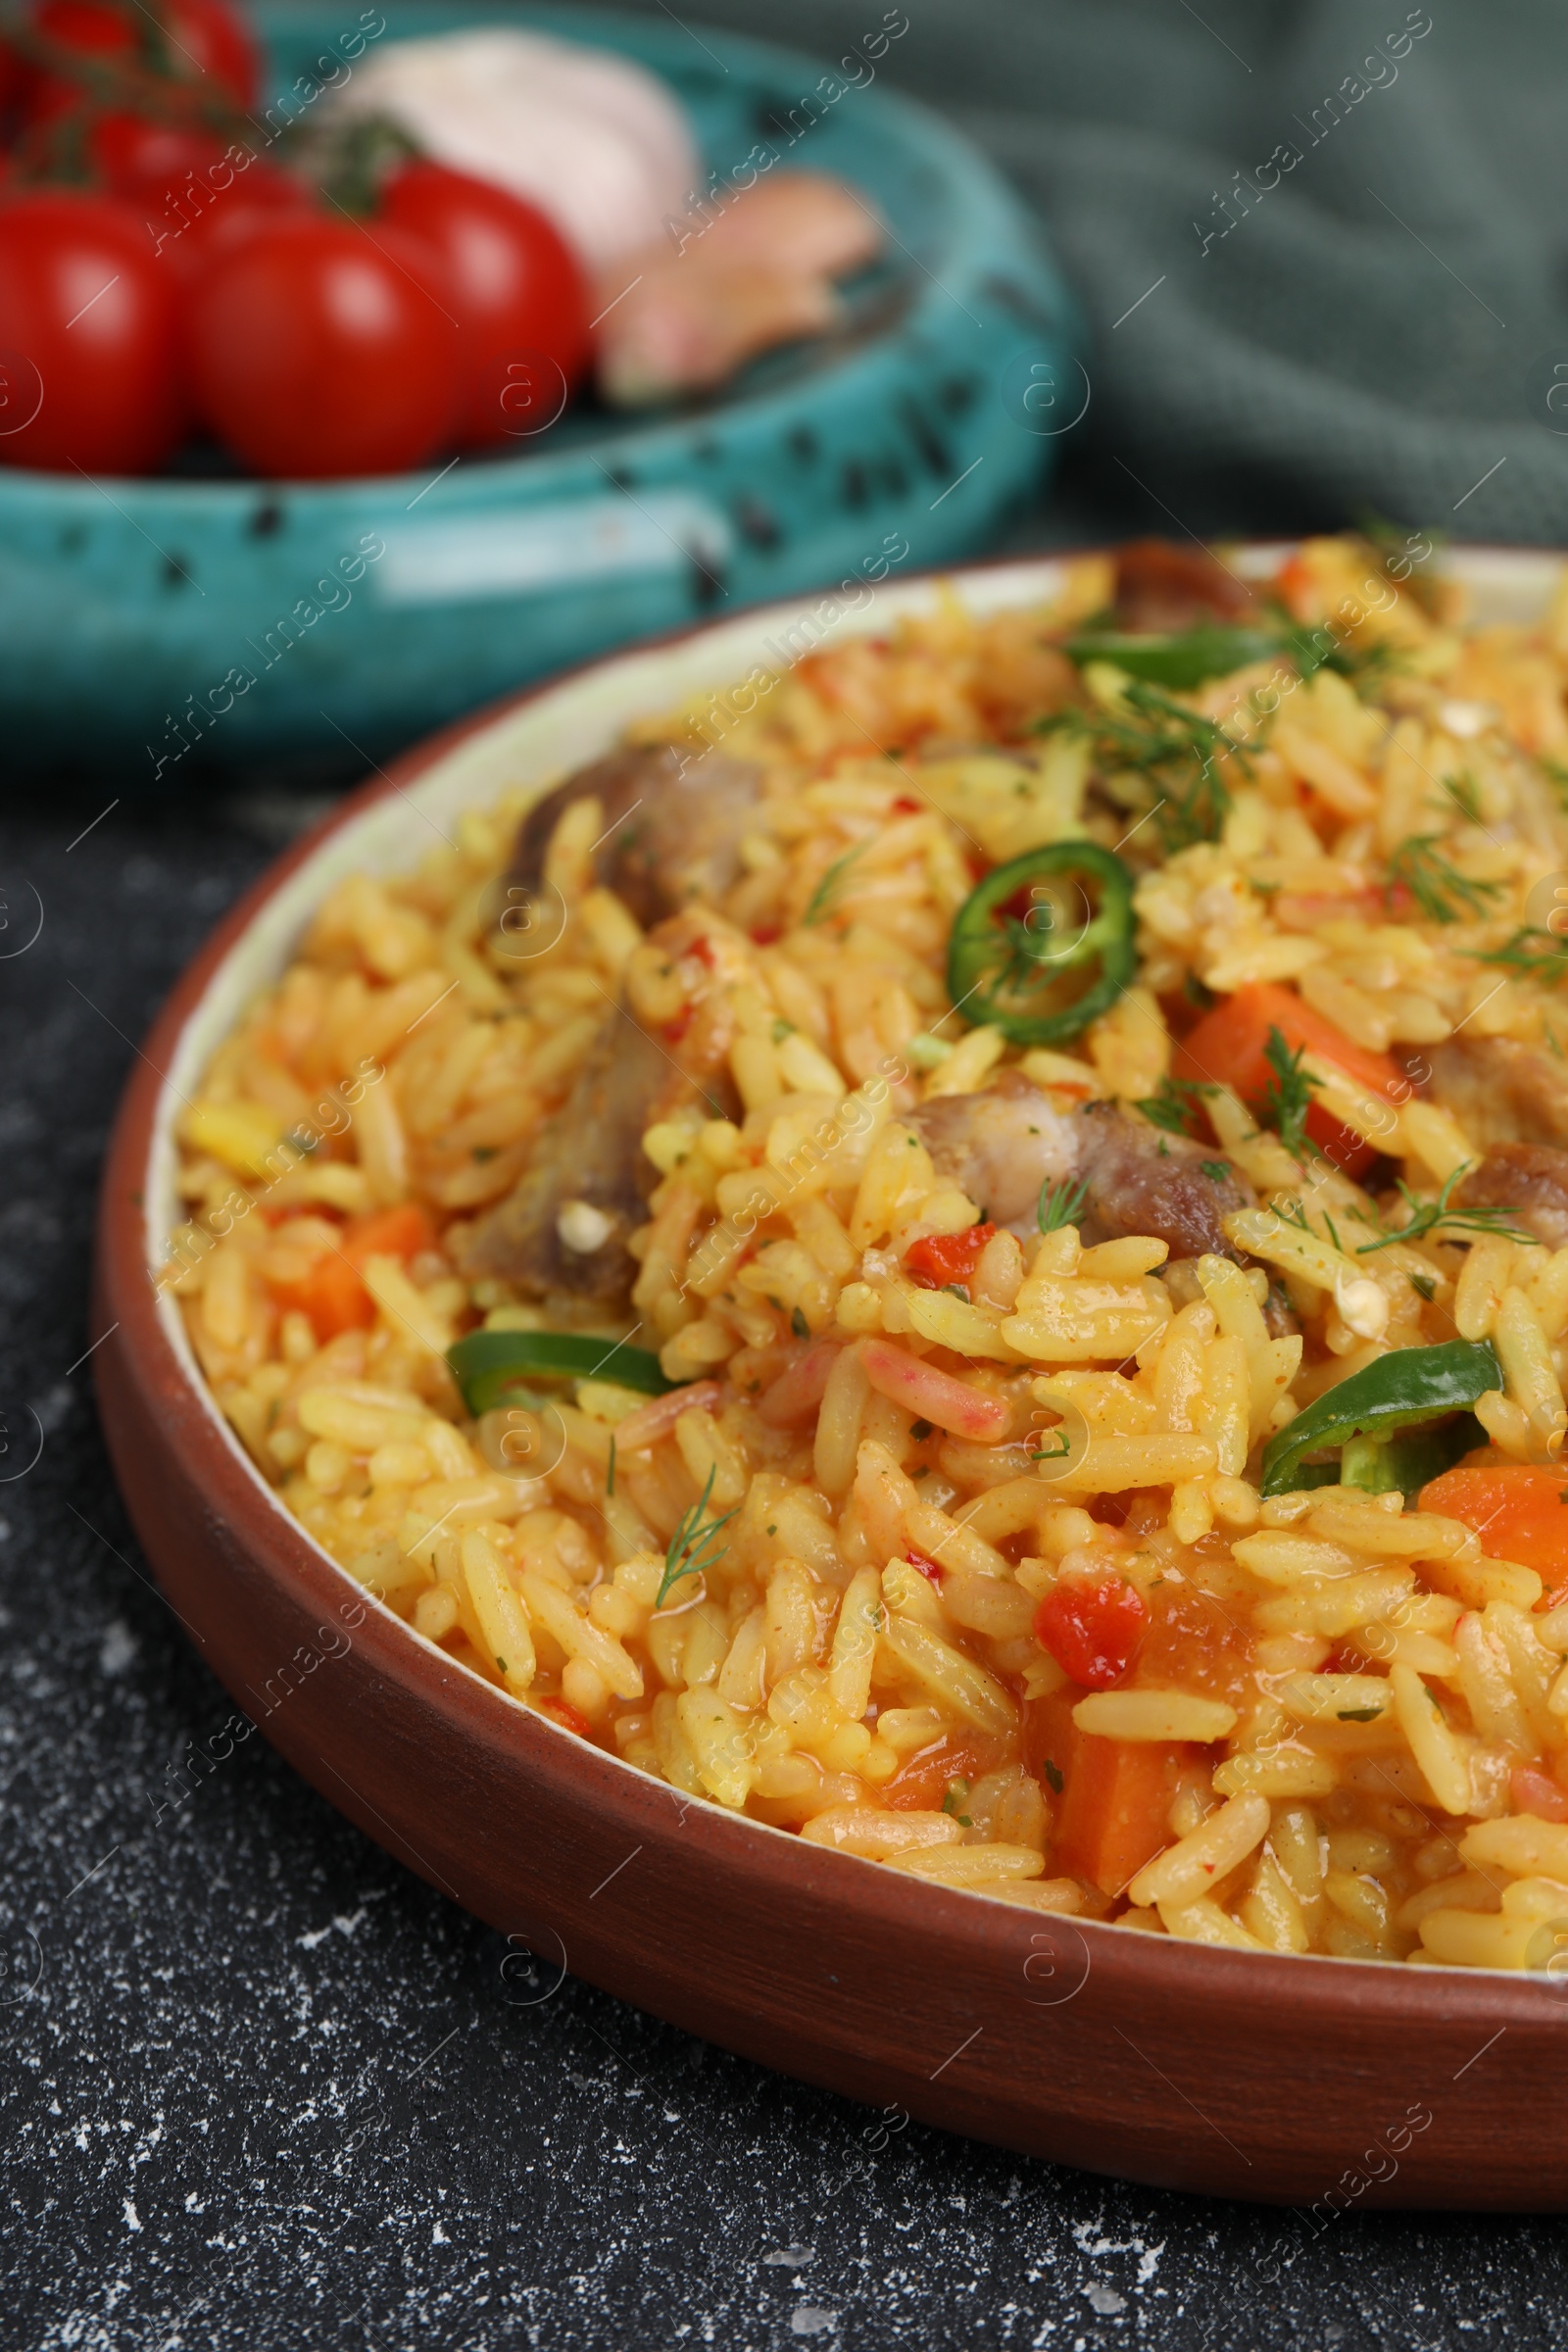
(190, 213)
(87, 338)
(321, 348)
(938, 1258)
(512, 285)
(1091, 1629)
(203, 42)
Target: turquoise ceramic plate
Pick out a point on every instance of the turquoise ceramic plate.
(174, 619)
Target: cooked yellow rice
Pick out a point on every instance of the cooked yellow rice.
(1350, 1794)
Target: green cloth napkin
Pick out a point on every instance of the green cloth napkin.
(1323, 244)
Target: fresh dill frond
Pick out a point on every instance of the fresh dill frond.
(1173, 749)
(1427, 1216)
(1174, 1102)
(1556, 776)
(1425, 1286)
(1289, 1096)
(1061, 1205)
(1443, 893)
(1534, 953)
(821, 903)
(610, 1479)
(691, 1547)
(1465, 793)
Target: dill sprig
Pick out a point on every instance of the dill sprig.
(1288, 1096)
(1174, 1105)
(1427, 1216)
(1443, 893)
(821, 903)
(1556, 776)
(691, 1551)
(1175, 751)
(1534, 953)
(1061, 1205)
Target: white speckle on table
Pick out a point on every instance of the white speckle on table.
(133, 2218)
(1104, 2299)
(438, 2237)
(120, 1647)
(811, 2319)
(345, 1923)
(794, 2258)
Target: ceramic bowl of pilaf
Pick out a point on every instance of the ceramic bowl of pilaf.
(863, 1322)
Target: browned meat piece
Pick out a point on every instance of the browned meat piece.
(561, 1235)
(999, 1147)
(1160, 587)
(673, 821)
(1140, 1181)
(1531, 1179)
(1501, 1092)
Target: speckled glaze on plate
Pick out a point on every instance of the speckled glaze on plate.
(129, 606)
(1330, 2084)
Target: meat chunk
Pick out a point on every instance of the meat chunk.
(999, 1147)
(590, 1155)
(1530, 1179)
(673, 822)
(1501, 1092)
(1142, 1181)
(1160, 587)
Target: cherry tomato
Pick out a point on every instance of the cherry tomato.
(321, 348)
(194, 193)
(203, 41)
(1091, 1629)
(88, 337)
(515, 288)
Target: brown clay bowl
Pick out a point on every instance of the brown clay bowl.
(1301, 2080)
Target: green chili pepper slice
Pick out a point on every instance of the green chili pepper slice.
(1044, 944)
(1361, 1415)
(488, 1364)
(1179, 661)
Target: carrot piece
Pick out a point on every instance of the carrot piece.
(1520, 1511)
(335, 1299)
(333, 1294)
(1228, 1045)
(1115, 1807)
(401, 1232)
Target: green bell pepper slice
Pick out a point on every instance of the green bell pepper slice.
(1179, 661)
(1041, 982)
(489, 1366)
(1365, 1415)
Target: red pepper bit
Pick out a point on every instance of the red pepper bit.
(703, 950)
(570, 1718)
(929, 1569)
(1092, 1631)
(938, 1259)
(904, 805)
(763, 935)
(676, 1029)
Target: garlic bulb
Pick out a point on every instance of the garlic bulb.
(598, 144)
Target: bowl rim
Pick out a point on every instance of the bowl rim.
(234, 1493)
